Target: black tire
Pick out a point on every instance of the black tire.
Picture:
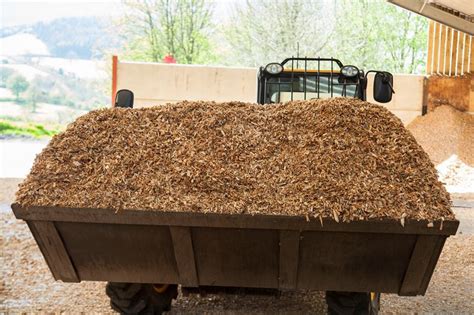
(352, 303)
(138, 298)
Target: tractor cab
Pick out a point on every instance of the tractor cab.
(312, 78)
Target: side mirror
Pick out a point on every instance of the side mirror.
(383, 87)
(124, 99)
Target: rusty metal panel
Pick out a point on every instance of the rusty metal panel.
(184, 254)
(239, 250)
(237, 257)
(53, 250)
(289, 254)
(120, 253)
(418, 266)
(247, 221)
(360, 262)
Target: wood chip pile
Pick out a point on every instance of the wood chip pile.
(444, 132)
(341, 158)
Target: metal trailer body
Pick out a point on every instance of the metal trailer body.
(205, 252)
(255, 251)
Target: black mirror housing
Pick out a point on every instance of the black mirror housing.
(383, 87)
(124, 99)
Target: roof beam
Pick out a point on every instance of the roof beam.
(424, 8)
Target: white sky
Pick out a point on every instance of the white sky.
(18, 12)
(28, 12)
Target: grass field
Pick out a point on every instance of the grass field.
(31, 130)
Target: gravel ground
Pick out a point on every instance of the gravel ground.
(27, 285)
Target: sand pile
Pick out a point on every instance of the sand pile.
(445, 132)
(339, 158)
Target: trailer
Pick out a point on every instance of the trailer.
(222, 250)
(145, 255)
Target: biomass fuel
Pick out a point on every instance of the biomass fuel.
(339, 158)
(444, 132)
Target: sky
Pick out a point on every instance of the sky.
(28, 12)
(19, 12)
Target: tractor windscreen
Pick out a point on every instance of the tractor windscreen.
(307, 79)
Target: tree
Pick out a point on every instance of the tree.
(367, 33)
(5, 74)
(156, 28)
(406, 40)
(378, 35)
(33, 94)
(17, 84)
(262, 31)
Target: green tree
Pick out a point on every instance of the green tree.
(368, 33)
(406, 40)
(155, 28)
(378, 35)
(262, 31)
(17, 84)
(5, 74)
(33, 94)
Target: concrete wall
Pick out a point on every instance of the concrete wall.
(407, 102)
(155, 83)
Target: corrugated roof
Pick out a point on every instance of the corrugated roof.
(463, 6)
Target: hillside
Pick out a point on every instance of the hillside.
(23, 44)
(59, 66)
(72, 37)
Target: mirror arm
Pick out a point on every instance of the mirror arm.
(385, 78)
(367, 73)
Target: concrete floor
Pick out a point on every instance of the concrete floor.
(17, 156)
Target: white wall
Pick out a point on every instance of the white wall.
(407, 101)
(155, 83)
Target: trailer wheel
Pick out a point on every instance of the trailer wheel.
(352, 303)
(138, 298)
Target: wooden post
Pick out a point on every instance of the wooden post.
(429, 55)
(289, 254)
(184, 254)
(449, 51)
(114, 78)
(53, 250)
(418, 266)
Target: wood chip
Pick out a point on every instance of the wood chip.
(342, 158)
(444, 132)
